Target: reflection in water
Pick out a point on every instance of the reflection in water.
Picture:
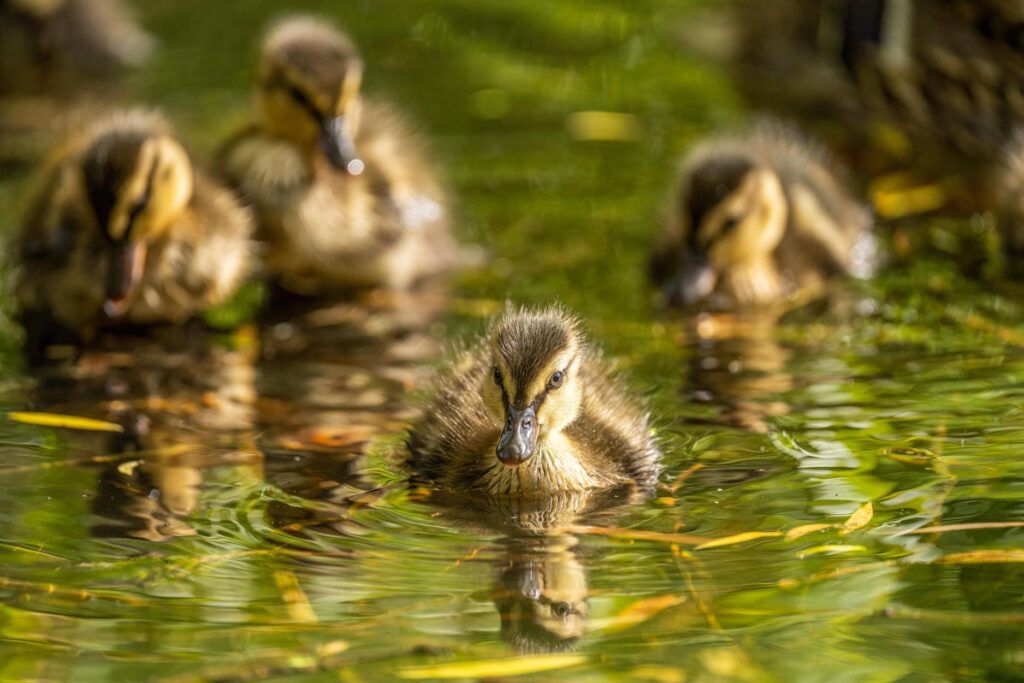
(738, 366)
(541, 593)
(332, 380)
(540, 588)
(182, 412)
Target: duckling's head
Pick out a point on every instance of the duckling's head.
(533, 387)
(732, 212)
(309, 81)
(137, 182)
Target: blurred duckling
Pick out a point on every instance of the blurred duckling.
(124, 230)
(758, 219)
(533, 410)
(48, 44)
(343, 195)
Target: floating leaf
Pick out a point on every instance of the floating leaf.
(738, 538)
(639, 535)
(830, 548)
(968, 526)
(642, 610)
(804, 529)
(603, 125)
(64, 421)
(859, 519)
(485, 668)
(983, 557)
(128, 467)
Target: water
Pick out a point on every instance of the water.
(258, 527)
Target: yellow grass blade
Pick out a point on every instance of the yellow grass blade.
(738, 538)
(804, 529)
(63, 421)
(486, 668)
(983, 557)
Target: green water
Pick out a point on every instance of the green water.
(239, 543)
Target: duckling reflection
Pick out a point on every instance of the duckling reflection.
(183, 414)
(738, 365)
(541, 594)
(333, 378)
(759, 219)
(344, 196)
(531, 410)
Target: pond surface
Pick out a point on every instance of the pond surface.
(253, 523)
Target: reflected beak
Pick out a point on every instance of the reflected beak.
(519, 438)
(338, 147)
(127, 263)
(697, 279)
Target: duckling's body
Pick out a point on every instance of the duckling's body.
(343, 194)
(757, 219)
(123, 230)
(569, 425)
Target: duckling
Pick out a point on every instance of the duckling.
(124, 230)
(343, 195)
(48, 44)
(533, 410)
(758, 218)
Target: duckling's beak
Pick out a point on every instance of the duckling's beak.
(698, 279)
(519, 437)
(127, 263)
(337, 145)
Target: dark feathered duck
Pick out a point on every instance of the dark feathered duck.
(756, 219)
(530, 410)
(343, 193)
(123, 229)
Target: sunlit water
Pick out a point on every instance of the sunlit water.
(259, 525)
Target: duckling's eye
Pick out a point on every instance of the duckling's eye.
(556, 379)
(728, 225)
(561, 609)
(497, 375)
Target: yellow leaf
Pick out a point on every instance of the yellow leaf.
(483, 668)
(983, 557)
(831, 548)
(641, 611)
(804, 529)
(64, 421)
(603, 125)
(859, 519)
(738, 538)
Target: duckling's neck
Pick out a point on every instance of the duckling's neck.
(555, 466)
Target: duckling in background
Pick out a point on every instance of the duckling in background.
(53, 44)
(533, 410)
(124, 230)
(1010, 198)
(343, 194)
(757, 219)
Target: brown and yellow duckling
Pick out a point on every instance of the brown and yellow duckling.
(758, 219)
(343, 195)
(533, 410)
(124, 230)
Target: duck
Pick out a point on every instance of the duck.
(56, 44)
(124, 231)
(532, 410)
(759, 219)
(344, 196)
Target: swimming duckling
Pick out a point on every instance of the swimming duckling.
(124, 230)
(343, 195)
(532, 410)
(48, 44)
(756, 219)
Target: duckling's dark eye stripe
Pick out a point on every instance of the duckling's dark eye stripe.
(303, 101)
